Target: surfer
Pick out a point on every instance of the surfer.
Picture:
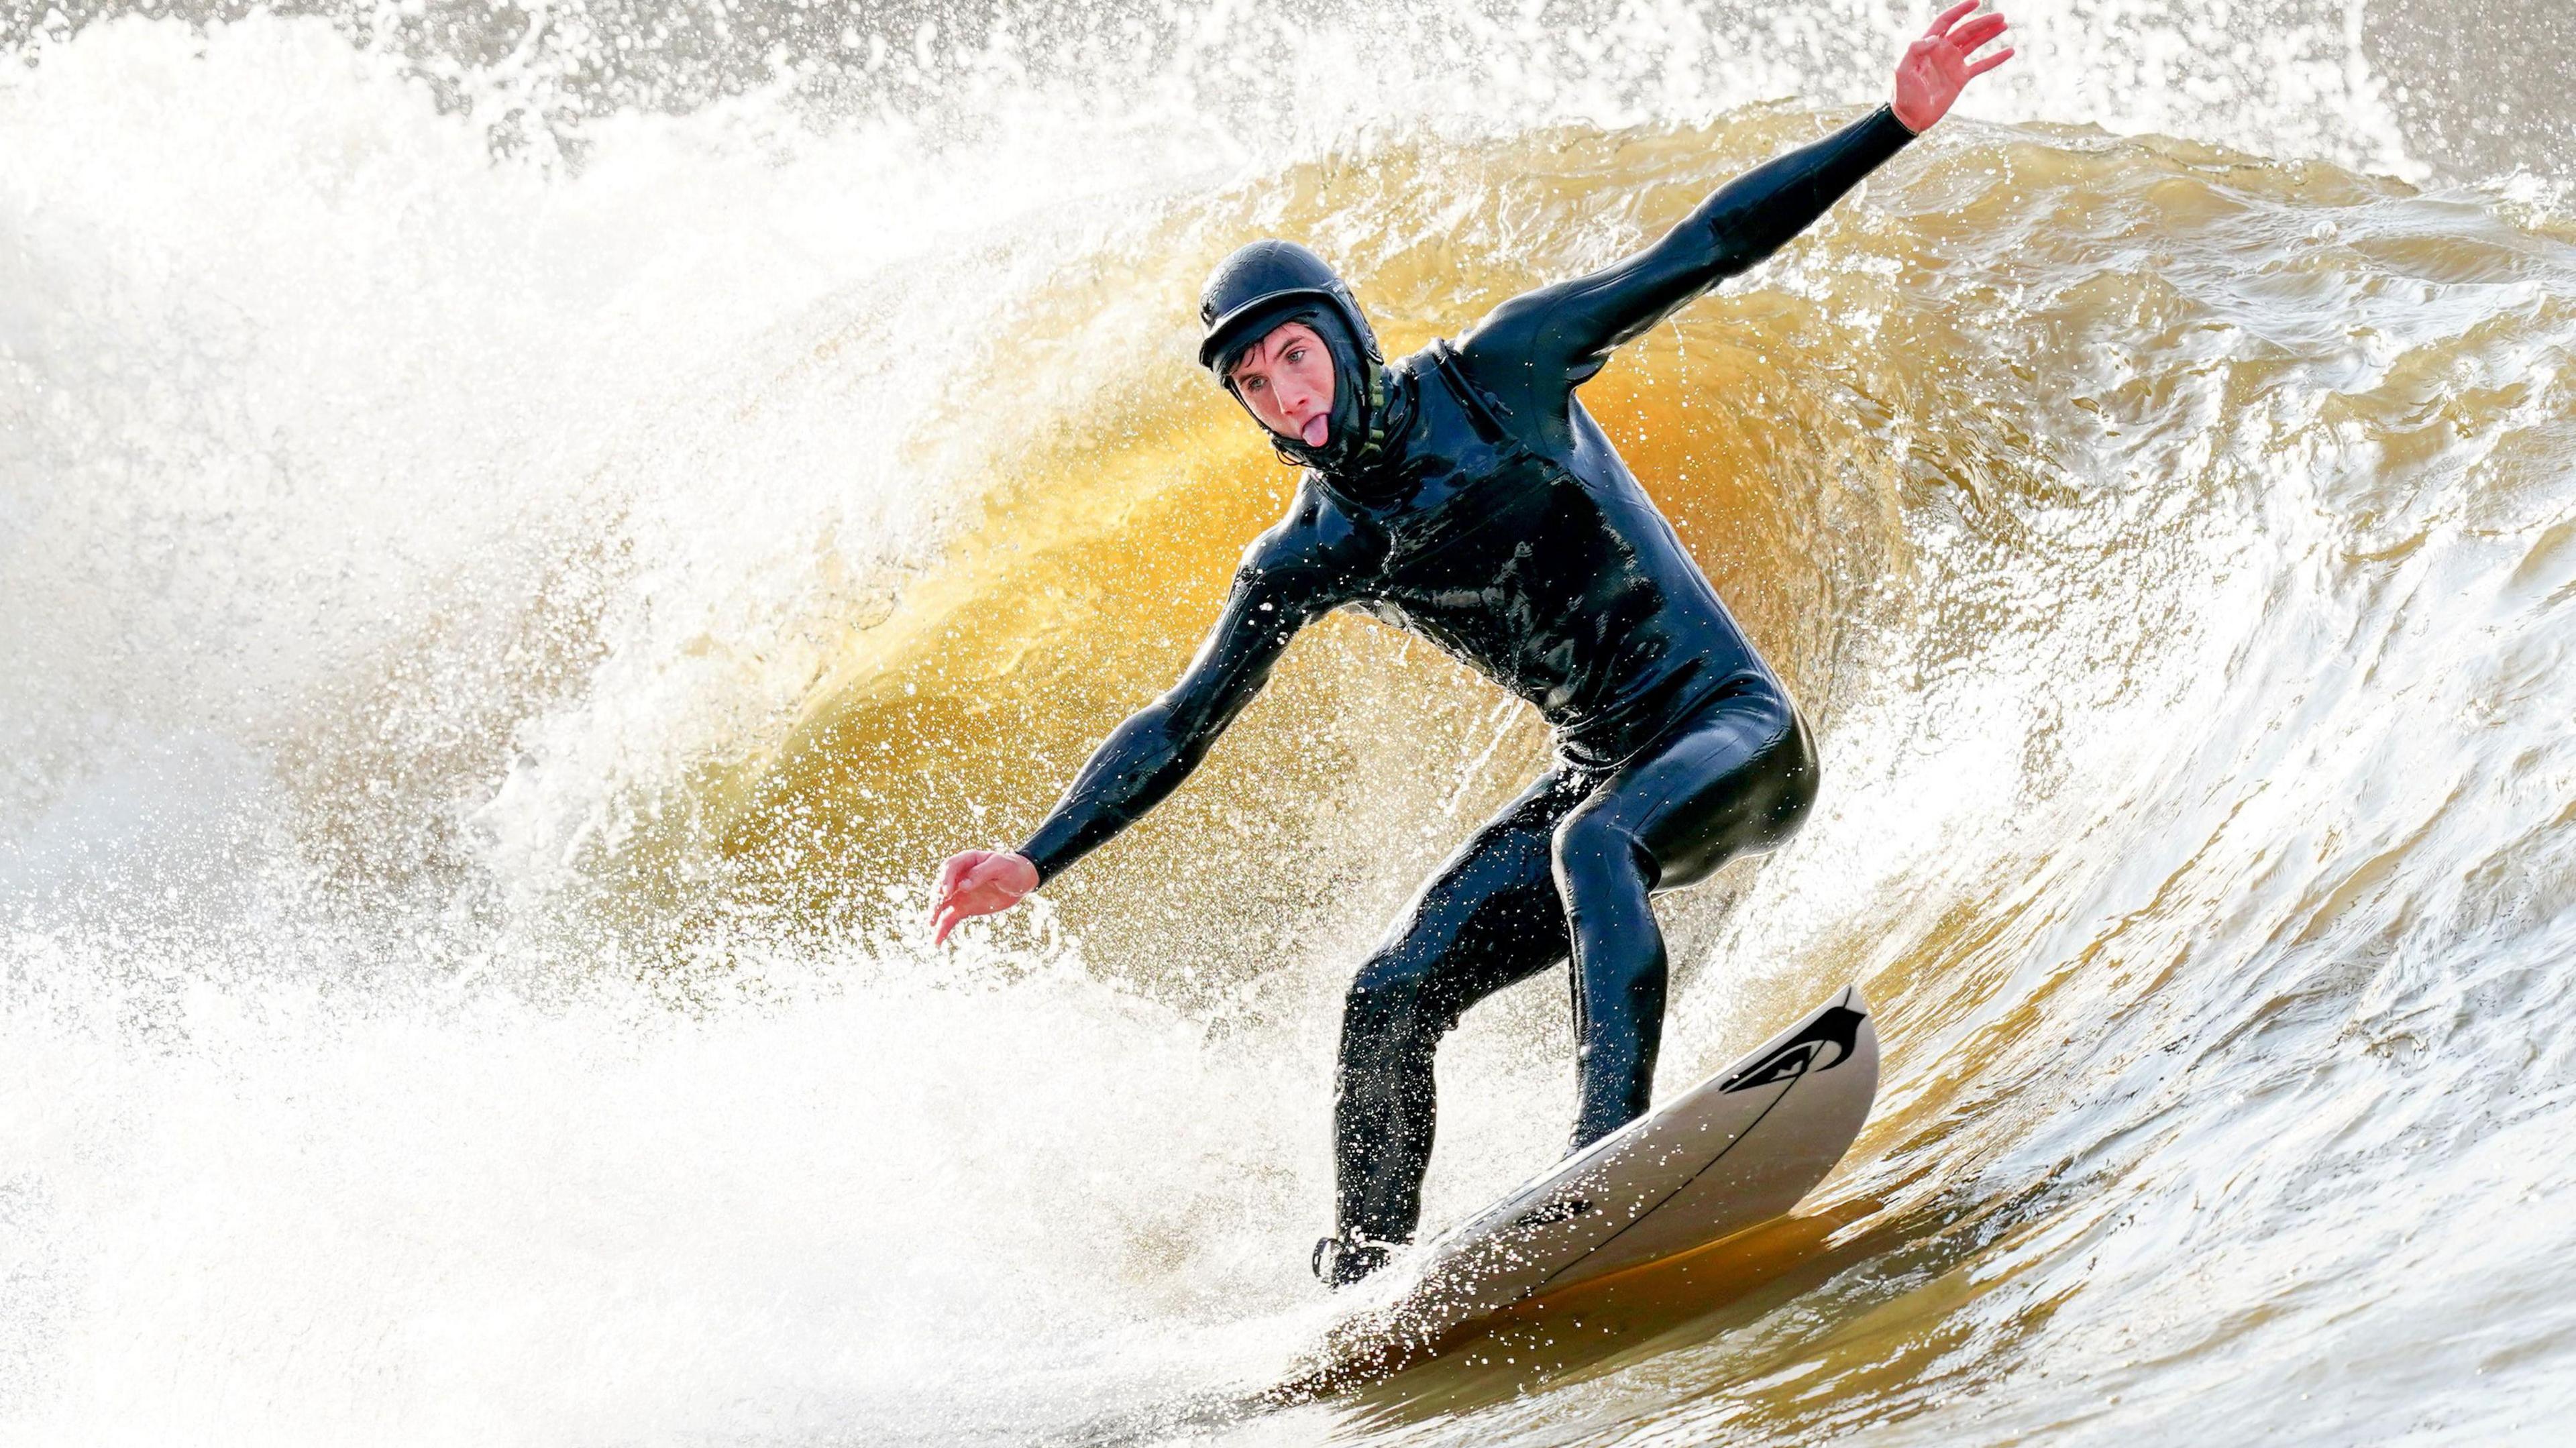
(1465, 494)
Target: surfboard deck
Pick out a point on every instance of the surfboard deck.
(1735, 1151)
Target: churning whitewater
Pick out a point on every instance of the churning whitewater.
(527, 534)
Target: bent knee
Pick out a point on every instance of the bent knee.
(1387, 994)
(1589, 842)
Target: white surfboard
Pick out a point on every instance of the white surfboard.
(1733, 1152)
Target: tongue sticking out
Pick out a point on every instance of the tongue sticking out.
(1317, 428)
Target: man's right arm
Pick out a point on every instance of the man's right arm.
(1148, 756)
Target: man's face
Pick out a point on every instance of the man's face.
(1286, 378)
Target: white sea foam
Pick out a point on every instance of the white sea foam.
(386, 528)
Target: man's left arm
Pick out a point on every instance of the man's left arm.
(1730, 233)
(1562, 334)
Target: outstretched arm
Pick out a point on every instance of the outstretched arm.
(1145, 758)
(1537, 346)
(1148, 756)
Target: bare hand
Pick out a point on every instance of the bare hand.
(978, 882)
(1939, 66)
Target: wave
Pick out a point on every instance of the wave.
(501, 642)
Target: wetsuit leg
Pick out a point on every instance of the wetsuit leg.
(1491, 918)
(1738, 778)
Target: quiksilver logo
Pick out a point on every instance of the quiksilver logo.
(1823, 1045)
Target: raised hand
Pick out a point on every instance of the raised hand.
(978, 882)
(1937, 67)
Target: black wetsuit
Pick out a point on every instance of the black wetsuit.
(1490, 515)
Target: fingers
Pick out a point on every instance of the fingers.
(1990, 62)
(1977, 32)
(1942, 22)
(950, 873)
(956, 912)
(945, 911)
(977, 882)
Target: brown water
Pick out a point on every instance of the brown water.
(504, 640)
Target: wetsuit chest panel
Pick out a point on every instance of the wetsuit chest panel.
(1559, 582)
(1529, 586)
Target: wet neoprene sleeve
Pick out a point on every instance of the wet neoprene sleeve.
(1538, 346)
(1147, 757)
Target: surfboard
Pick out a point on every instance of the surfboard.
(1731, 1153)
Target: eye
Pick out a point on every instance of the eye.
(1296, 354)
(1252, 384)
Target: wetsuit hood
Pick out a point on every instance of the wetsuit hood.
(1271, 282)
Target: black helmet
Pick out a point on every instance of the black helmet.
(1262, 285)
